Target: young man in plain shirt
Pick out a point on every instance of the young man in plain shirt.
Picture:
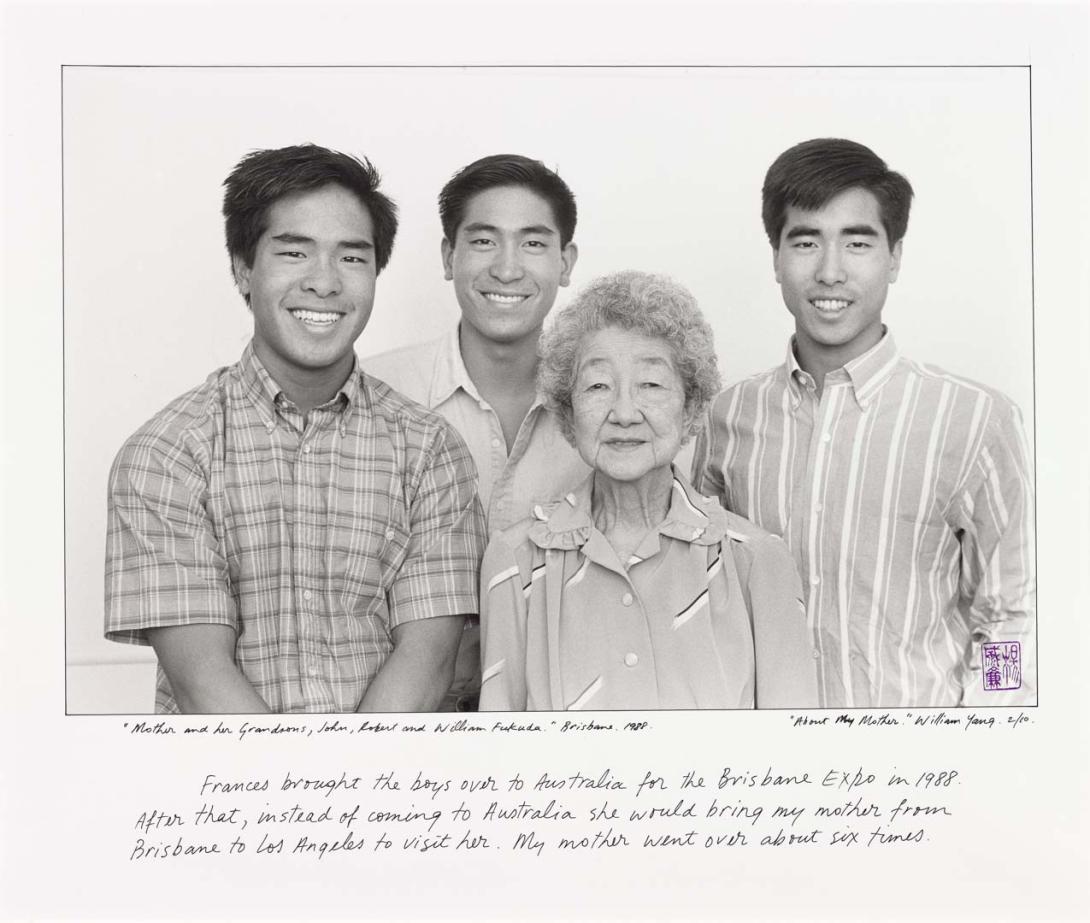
(508, 223)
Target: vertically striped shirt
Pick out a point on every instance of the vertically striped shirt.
(905, 497)
(313, 538)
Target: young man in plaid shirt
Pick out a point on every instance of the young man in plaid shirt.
(292, 535)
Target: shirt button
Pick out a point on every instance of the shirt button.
(817, 654)
(313, 671)
(495, 443)
(818, 507)
(307, 594)
(815, 580)
(390, 533)
(630, 659)
(627, 600)
(826, 437)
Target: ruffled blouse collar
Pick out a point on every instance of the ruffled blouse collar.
(568, 523)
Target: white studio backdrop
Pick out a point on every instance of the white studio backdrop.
(666, 165)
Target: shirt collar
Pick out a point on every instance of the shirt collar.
(257, 383)
(450, 374)
(867, 373)
(263, 391)
(351, 394)
(872, 370)
(568, 523)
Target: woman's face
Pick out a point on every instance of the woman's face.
(628, 404)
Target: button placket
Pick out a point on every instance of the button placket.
(818, 460)
(309, 490)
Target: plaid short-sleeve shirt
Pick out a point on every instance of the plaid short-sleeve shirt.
(312, 537)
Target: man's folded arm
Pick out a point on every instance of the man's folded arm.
(419, 670)
(436, 587)
(199, 663)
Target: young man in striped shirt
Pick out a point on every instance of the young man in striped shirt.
(903, 491)
(293, 535)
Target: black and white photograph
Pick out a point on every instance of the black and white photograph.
(877, 548)
(584, 462)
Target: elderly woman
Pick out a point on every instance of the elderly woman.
(635, 591)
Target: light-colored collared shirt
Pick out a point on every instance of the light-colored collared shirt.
(707, 613)
(904, 494)
(541, 465)
(311, 539)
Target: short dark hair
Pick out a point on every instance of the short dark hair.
(809, 174)
(262, 178)
(500, 170)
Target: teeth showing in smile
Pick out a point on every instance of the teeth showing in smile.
(830, 304)
(504, 299)
(317, 318)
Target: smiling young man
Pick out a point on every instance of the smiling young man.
(508, 223)
(292, 535)
(902, 491)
